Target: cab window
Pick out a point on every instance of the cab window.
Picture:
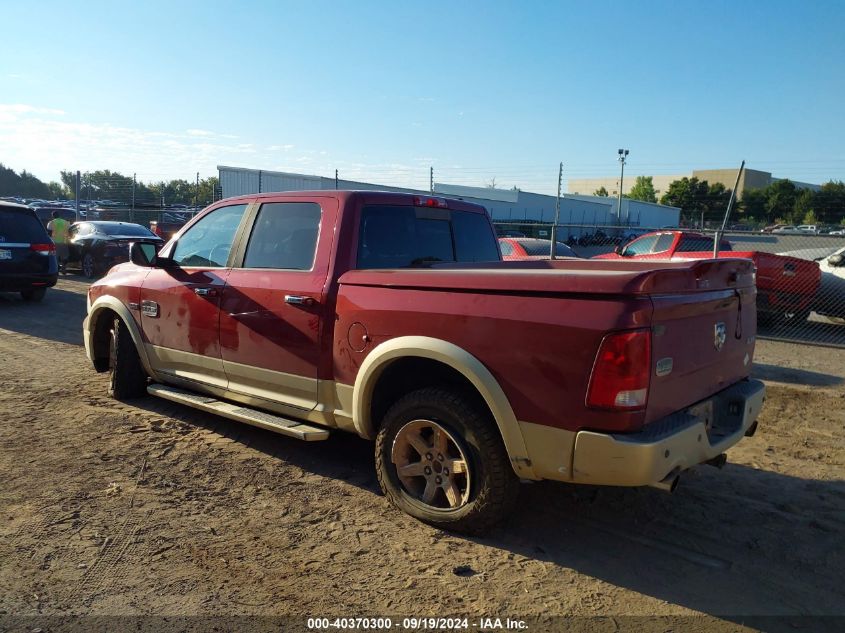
(664, 243)
(284, 236)
(208, 242)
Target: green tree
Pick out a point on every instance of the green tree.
(753, 205)
(643, 189)
(25, 185)
(780, 200)
(829, 202)
(601, 191)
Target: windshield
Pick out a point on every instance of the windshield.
(124, 229)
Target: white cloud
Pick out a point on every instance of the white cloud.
(280, 148)
(196, 132)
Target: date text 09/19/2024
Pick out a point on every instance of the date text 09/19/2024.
(411, 623)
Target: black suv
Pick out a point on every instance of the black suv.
(27, 254)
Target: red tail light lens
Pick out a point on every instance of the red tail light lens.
(44, 249)
(621, 372)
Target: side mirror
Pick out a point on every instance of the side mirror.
(835, 260)
(618, 249)
(146, 255)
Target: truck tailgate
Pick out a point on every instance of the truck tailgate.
(784, 274)
(703, 341)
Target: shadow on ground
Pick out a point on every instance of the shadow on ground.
(58, 317)
(733, 543)
(817, 330)
(795, 376)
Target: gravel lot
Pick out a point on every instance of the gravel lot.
(153, 508)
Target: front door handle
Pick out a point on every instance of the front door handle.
(296, 300)
(206, 292)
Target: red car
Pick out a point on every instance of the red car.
(528, 248)
(786, 286)
(392, 316)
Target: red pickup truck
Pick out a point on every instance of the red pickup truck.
(392, 316)
(786, 286)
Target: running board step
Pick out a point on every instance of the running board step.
(269, 421)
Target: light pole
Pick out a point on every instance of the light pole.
(623, 154)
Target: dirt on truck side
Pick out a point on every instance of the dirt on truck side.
(154, 508)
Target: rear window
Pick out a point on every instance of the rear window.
(699, 243)
(124, 229)
(543, 247)
(413, 237)
(20, 226)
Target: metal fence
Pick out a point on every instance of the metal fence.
(800, 291)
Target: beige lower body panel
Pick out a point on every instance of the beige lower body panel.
(325, 402)
(632, 460)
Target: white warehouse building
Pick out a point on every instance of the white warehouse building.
(503, 205)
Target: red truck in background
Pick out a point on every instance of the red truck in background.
(392, 316)
(786, 286)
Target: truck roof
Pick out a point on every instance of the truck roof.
(366, 196)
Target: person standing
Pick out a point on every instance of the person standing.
(57, 228)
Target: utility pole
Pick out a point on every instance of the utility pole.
(557, 211)
(197, 194)
(259, 180)
(132, 208)
(335, 179)
(431, 179)
(623, 154)
(78, 178)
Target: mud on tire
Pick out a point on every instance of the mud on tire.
(485, 494)
(127, 378)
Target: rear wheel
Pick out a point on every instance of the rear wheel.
(127, 378)
(33, 294)
(441, 459)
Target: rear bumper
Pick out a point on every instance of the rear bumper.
(679, 441)
(670, 445)
(16, 282)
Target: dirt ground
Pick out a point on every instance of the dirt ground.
(153, 508)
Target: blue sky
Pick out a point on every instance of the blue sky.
(383, 90)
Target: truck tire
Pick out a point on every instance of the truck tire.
(441, 459)
(127, 378)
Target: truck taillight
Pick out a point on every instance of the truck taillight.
(428, 201)
(621, 372)
(43, 249)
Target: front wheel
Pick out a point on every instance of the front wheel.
(441, 459)
(127, 378)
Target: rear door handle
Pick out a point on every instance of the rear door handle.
(206, 292)
(296, 300)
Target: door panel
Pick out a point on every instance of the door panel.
(272, 308)
(180, 304)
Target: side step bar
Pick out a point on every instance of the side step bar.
(269, 421)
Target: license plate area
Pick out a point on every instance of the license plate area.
(704, 412)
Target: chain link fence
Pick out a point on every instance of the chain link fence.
(800, 277)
